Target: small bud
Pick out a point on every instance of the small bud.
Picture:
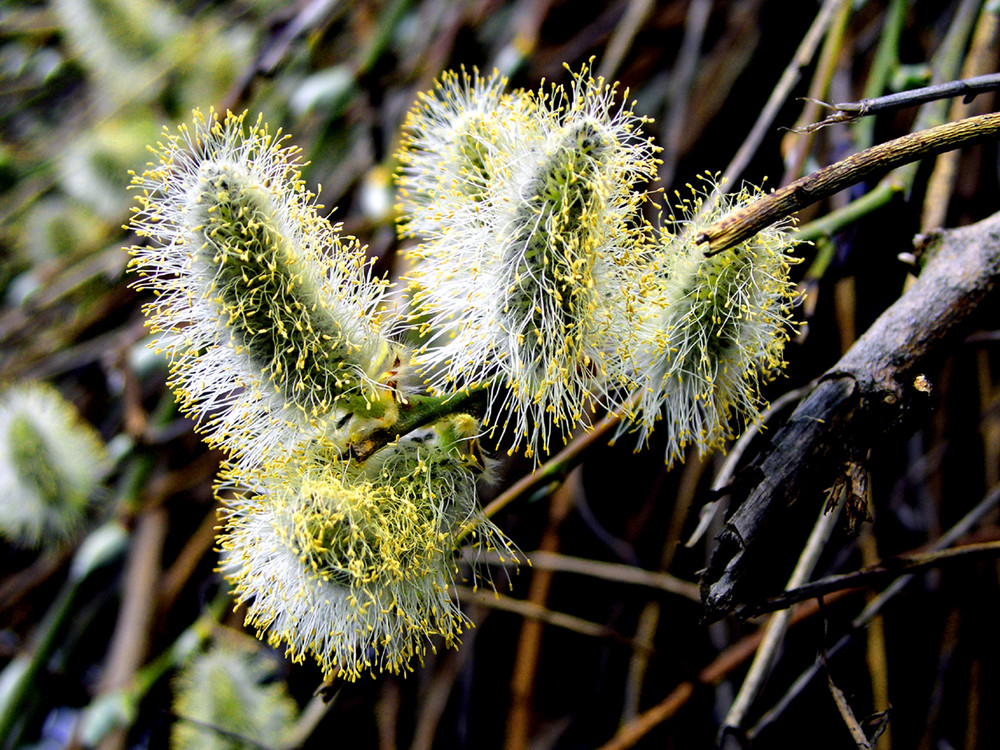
(51, 464)
(226, 698)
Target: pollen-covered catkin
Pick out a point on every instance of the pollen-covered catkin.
(713, 329)
(268, 313)
(350, 564)
(528, 289)
(51, 464)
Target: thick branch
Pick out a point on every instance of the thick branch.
(863, 397)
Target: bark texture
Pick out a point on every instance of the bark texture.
(861, 400)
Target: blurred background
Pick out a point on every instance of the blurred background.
(105, 629)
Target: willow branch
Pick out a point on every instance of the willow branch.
(876, 160)
(864, 397)
(968, 89)
(874, 575)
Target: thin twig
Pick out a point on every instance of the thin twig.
(132, 635)
(635, 16)
(784, 202)
(857, 733)
(542, 614)
(946, 65)
(777, 626)
(982, 57)
(682, 78)
(875, 653)
(885, 62)
(956, 532)
(529, 641)
(649, 619)
(556, 468)
(177, 576)
(967, 88)
(724, 664)
(797, 143)
(803, 56)
(617, 572)
(872, 576)
(437, 694)
(315, 711)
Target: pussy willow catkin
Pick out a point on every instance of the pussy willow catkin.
(51, 465)
(268, 313)
(535, 275)
(351, 565)
(527, 286)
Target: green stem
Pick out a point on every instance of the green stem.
(843, 217)
(886, 60)
(23, 671)
(19, 677)
(416, 412)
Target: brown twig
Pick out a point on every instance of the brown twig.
(542, 614)
(556, 468)
(847, 714)
(682, 78)
(649, 619)
(782, 203)
(131, 639)
(617, 572)
(438, 693)
(777, 626)
(876, 656)
(529, 642)
(176, 577)
(724, 664)
(872, 576)
(797, 143)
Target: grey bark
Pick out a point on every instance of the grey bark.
(866, 396)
